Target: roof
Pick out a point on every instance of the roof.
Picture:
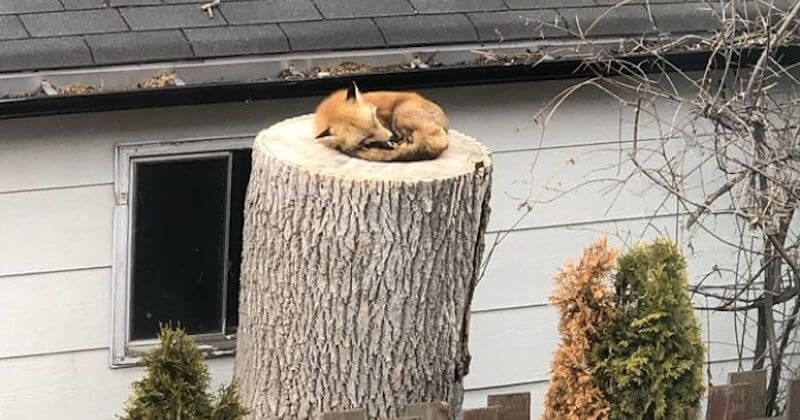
(57, 34)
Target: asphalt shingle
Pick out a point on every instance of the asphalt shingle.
(680, 18)
(336, 9)
(169, 17)
(427, 29)
(235, 40)
(73, 23)
(29, 6)
(333, 35)
(124, 31)
(132, 47)
(515, 25)
(642, 2)
(602, 21)
(242, 12)
(547, 4)
(117, 3)
(456, 6)
(46, 53)
(11, 28)
(84, 4)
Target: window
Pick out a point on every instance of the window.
(178, 242)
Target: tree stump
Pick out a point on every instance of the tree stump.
(357, 276)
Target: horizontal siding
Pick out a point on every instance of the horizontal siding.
(55, 312)
(511, 346)
(52, 230)
(525, 262)
(69, 311)
(56, 202)
(75, 385)
(568, 186)
(470, 109)
(70, 150)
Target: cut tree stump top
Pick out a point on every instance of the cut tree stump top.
(292, 142)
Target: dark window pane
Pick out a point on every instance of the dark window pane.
(179, 245)
(240, 176)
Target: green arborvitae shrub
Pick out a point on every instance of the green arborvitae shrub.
(649, 363)
(175, 386)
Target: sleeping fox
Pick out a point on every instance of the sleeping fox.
(382, 126)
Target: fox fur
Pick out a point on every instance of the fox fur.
(382, 126)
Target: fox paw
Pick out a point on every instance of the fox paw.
(385, 145)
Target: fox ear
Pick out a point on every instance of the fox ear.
(325, 133)
(353, 94)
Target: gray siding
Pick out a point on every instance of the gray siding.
(56, 202)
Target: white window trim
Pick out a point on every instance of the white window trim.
(125, 352)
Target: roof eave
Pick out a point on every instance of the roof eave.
(253, 78)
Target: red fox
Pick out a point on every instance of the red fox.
(382, 126)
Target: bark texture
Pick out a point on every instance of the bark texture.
(357, 276)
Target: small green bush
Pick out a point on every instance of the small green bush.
(649, 362)
(175, 385)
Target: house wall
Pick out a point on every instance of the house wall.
(56, 200)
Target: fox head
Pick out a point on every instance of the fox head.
(346, 119)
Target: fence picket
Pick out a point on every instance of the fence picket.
(725, 402)
(427, 411)
(755, 402)
(512, 406)
(486, 413)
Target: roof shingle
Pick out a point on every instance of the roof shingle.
(65, 33)
(84, 4)
(332, 35)
(237, 40)
(169, 17)
(44, 53)
(336, 9)
(118, 3)
(601, 21)
(427, 29)
(457, 6)
(131, 47)
(243, 12)
(80, 22)
(515, 25)
(674, 18)
(548, 4)
(11, 28)
(29, 6)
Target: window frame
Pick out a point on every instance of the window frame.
(124, 351)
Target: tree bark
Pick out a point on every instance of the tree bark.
(357, 276)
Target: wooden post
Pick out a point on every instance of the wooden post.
(427, 411)
(343, 261)
(512, 406)
(487, 413)
(755, 401)
(792, 411)
(726, 402)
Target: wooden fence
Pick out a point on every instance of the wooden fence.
(745, 398)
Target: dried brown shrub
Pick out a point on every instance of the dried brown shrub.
(585, 300)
